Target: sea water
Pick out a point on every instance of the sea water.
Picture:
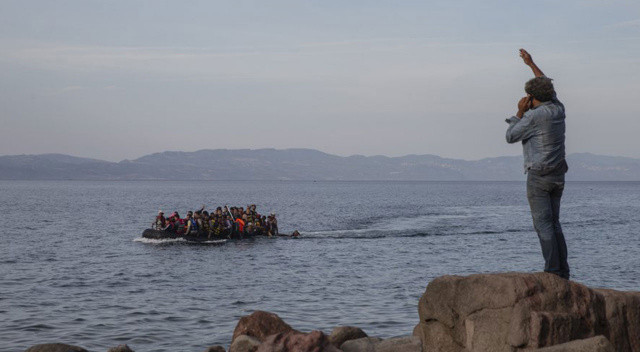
(74, 269)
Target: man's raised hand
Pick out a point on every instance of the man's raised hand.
(526, 57)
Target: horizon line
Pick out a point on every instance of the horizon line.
(308, 149)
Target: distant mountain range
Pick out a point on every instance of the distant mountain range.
(301, 164)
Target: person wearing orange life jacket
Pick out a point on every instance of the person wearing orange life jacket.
(241, 224)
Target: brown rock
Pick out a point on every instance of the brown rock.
(295, 341)
(341, 334)
(365, 344)
(260, 324)
(592, 344)
(400, 344)
(55, 347)
(511, 311)
(416, 330)
(215, 349)
(122, 348)
(622, 310)
(244, 343)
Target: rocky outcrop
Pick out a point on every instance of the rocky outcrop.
(373, 344)
(120, 348)
(365, 344)
(244, 343)
(622, 311)
(400, 344)
(215, 349)
(294, 341)
(341, 334)
(55, 347)
(592, 344)
(517, 311)
(260, 324)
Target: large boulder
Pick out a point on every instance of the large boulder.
(55, 347)
(260, 324)
(400, 344)
(215, 348)
(374, 344)
(244, 343)
(364, 344)
(120, 348)
(516, 311)
(592, 344)
(341, 334)
(623, 318)
(295, 341)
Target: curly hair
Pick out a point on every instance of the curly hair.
(540, 88)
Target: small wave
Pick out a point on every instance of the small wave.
(158, 241)
(210, 242)
(37, 327)
(176, 240)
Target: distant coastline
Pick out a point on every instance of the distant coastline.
(302, 165)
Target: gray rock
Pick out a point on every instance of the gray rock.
(244, 343)
(364, 344)
(55, 347)
(523, 311)
(341, 334)
(120, 348)
(215, 349)
(295, 341)
(400, 344)
(593, 344)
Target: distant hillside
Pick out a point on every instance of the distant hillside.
(301, 164)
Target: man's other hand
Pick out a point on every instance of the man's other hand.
(523, 106)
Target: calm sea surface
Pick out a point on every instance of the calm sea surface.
(73, 268)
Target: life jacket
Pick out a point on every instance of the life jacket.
(240, 223)
(193, 226)
(214, 226)
(206, 225)
(160, 222)
(180, 226)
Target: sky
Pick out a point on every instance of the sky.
(117, 80)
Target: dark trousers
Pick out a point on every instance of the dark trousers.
(544, 194)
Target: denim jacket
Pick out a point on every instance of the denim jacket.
(541, 130)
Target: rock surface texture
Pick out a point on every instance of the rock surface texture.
(341, 334)
(592, 344)
(374, 344)
(294, 341)
(365, 344)
(400, 344)
(215, 349)
(55, 347)
(260, 324)
(521, 311)
(244, 343)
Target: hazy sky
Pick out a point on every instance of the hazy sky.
(120, 79)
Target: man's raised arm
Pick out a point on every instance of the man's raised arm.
(526, 57)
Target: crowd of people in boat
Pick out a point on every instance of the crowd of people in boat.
(224, 222)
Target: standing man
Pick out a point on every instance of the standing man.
(539, 124)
